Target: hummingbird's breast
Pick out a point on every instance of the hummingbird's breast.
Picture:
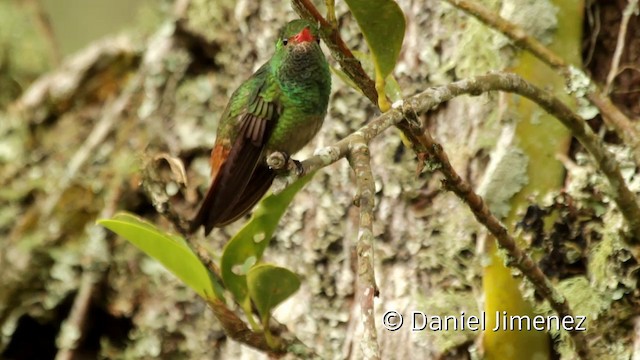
(305, 84)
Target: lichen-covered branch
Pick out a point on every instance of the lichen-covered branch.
(360, 161)
(430, 98)
(614, 117)
(624, 198)
(51, 94)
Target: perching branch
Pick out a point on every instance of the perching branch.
(612, 115)
(430, 98)
(623, 197)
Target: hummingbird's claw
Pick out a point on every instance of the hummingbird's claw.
(299, 167)
(279, 160)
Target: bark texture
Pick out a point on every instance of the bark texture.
(73, 144)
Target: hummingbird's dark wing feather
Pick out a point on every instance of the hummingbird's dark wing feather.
(239, 178)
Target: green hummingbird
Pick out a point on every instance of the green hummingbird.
(279, 108)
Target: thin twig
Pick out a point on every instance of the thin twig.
(349, 64)
(593, 19)
(237, 329)
(614, 117)
(360, 161)
(516, 256)
(513, 31)
(632, 7)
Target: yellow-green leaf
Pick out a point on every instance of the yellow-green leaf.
(382, 23)
(170, 250)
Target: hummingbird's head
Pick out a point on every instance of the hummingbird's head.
(298, 36)
(298, 56)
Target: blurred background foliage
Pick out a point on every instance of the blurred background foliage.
(35, 35)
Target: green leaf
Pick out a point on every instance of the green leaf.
(382, 23)
(269, 286)
(245, 249)
(172, 251)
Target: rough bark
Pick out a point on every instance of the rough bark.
(73, 143)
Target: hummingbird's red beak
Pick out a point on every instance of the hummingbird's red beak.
(303, 36)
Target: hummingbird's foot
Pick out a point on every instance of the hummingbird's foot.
(279, 160)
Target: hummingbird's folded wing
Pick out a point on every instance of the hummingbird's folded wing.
(240, 178)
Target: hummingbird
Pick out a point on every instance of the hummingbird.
(279, 108)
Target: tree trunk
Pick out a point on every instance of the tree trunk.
(74, 140)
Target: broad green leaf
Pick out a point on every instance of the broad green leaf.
(269, 286)
(246, 247)
(382, 23)
(170, 250)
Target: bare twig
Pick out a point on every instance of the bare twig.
(632, 7)
(360, 161)
(614, 117)
(237, 329)
(593, 18)
(517, 257)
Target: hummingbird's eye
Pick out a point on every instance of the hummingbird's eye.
(318, 40)
(285, 41)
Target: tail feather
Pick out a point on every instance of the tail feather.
(219, 209)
